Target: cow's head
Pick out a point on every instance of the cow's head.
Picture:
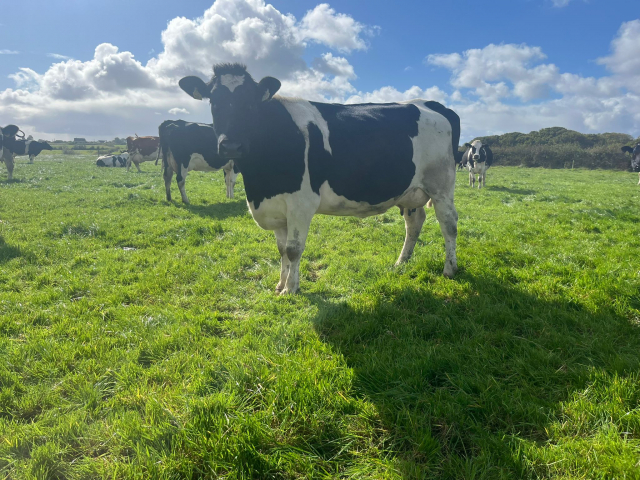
(234, 98)
(478, 153)
(635, 156)
(45, 146)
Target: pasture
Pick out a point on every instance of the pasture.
(143, 339)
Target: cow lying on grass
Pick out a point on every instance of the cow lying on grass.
(119, 160)
(142, 149)
(635, 158)
(301, 158)
(187, 146)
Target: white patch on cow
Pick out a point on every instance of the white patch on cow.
(197, 163)
(303, 113)
(232, 81)
(137, 157)
(477, 144)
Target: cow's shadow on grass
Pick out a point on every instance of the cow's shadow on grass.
(459, 382)
(225, 209)
(515, 191)
(8, 252)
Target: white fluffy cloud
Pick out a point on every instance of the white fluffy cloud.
(121, 93)
(494, 89)
(539, 94)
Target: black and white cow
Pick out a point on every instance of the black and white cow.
(635, 158)
(8, 136)
(301, 158)
(188, 146)
(29, 147)
(477, 159)
(119, 160)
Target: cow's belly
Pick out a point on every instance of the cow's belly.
(139, 158)
(197, 163)
(334, 204)
(272, 212)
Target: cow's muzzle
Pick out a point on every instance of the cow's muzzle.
(230, 150)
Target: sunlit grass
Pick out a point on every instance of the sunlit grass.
(143, 339)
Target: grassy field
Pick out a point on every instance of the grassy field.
(142, 339)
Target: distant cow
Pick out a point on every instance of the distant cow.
(300, 158)
(187, 146)
(635, 158)
(142, 149)
(8, 139)
(119, 160)
(29, 147)
(478, 158)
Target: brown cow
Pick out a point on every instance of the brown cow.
(142, 149)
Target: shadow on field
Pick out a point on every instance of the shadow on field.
(7, 252)
(217, 210)
(515, 191)
(459, 382)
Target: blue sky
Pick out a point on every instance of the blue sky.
(505, 65)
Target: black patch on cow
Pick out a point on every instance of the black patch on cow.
(371, 156)
(454, 121)
(186, 138)
(35, 148)
(486, 155)
(100, 163)
(276, 162)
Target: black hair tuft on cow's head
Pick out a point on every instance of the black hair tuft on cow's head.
(230, 69)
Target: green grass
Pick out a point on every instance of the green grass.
(143, 339)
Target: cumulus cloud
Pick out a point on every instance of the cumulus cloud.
(483, 78)
(178, 111)
(495, 89)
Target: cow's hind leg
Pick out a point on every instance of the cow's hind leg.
(168, 176)
(281, 240)
(138, 166)
(413, 221)
(31, 157)
(9, 161)
(181, 178)
(448, 220)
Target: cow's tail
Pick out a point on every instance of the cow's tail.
(163, 149)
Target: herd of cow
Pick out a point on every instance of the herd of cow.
(300, 158)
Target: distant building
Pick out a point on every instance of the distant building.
(79, 140)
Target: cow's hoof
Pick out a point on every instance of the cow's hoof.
(287, 291)
(450, 272)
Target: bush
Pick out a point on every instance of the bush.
(561, 156)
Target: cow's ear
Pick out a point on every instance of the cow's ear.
(268, 87)
(627, 149)
(194, 87)
(467, 145)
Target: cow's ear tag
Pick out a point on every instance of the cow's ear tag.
(196, 94)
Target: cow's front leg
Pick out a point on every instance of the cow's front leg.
(31, 157)
(471, 178)
(298, 223)
(281, 241)
(413, 220)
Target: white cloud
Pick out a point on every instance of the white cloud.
(494, 89)
(178, 111)
(8, 52)
(57, 56)
(560, 3)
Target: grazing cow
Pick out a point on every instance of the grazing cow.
(188, 146)
(142, 149)
(119, 160)
(635, 158)
(300, 158)
(478, 158)
(29, 147)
